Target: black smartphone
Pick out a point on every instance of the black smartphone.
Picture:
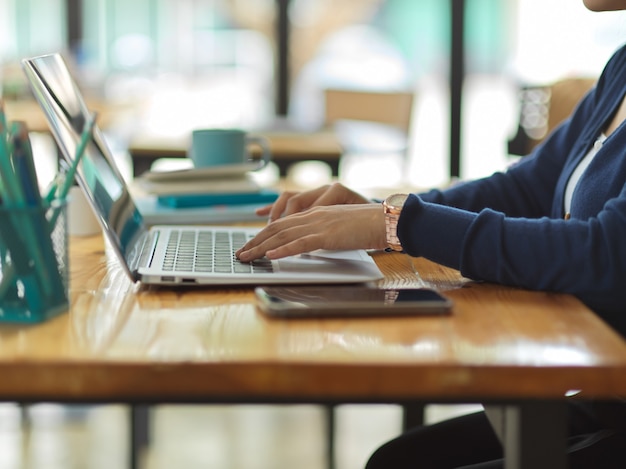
(346, 301)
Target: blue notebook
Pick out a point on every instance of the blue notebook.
(264, 196)
(153, 213)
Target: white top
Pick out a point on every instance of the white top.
(578, 172)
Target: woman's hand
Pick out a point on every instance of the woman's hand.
(359, 226)
(290, 202)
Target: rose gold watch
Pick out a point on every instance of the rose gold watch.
(392, 207)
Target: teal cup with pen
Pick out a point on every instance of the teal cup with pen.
(223, 147)
(34, 264)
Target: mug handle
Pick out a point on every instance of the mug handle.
(264, 143)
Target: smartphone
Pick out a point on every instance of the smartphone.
(349, 301)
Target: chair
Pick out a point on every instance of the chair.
(371, 126)
(542, 108)
(356, 114)
(384, 107)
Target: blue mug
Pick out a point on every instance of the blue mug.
(221, 147)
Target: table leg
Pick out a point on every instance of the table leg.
(139, 433)
(330, 436)
(533, 433)
(141, 164)
(412, 415)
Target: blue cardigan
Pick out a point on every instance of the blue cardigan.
(509, 228)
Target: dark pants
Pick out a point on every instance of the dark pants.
(597, 440)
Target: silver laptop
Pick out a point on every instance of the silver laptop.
(168, 255)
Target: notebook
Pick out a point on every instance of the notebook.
(168, 254)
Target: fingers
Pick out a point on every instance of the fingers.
(279, 239)
(297, 246)
(289, 203)
(333, 194)
(276, 209)
(263, 211)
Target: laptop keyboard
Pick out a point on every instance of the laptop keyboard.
(209, 251)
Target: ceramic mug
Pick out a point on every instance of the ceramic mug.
(220, 147)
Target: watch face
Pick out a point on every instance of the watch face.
(396, 200)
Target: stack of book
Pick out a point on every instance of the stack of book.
(201, 195)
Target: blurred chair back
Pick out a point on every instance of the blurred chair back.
(542, 108)
(390, 108)
(564, 96)
(373, 128)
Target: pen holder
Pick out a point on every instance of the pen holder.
(33, 263)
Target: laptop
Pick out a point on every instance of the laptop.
(168, 254)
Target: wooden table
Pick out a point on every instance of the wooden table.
(121, 342)
(287, 148)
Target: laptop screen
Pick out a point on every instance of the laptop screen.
(61, 100)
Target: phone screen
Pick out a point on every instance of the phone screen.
(308, 301)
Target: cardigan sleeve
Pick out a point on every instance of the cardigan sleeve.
(585, 258)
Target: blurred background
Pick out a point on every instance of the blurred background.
(176, 65)
(167, 66)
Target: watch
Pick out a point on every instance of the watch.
(392, 207)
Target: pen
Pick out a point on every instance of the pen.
(3, 119)
(53, 187)
(66, 180)
(3, 151)
(12, 193)
(80, 151)
(24, 165)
